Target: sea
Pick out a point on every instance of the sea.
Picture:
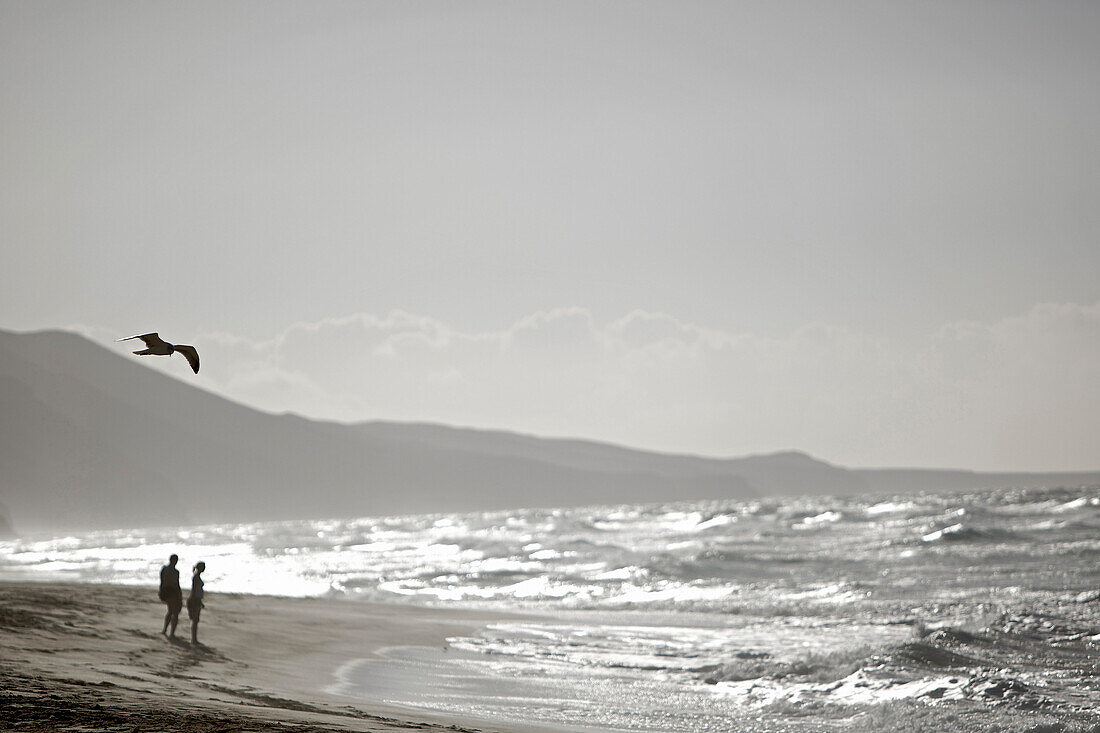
(978, 610)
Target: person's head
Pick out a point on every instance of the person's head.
(173, 560)
(200, 566)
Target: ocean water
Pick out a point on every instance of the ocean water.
(795, 614)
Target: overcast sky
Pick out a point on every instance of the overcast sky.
(867, 230)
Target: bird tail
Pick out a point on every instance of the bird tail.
(144, 352)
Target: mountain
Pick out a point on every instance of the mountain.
(90, 439)
(6, 530)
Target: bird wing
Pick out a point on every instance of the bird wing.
(191, 354)
(151, 339)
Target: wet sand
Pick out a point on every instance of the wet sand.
(91, 657)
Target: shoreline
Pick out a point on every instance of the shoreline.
(76, 656)
(79, 657)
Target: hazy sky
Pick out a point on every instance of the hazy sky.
(868, 230)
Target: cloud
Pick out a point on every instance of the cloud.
(1026, 386)
(1018, 393)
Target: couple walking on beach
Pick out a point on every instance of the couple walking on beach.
(171, 594)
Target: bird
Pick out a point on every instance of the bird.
(160, 347)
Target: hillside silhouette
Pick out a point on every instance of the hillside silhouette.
(89, 439)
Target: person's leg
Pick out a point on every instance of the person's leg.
(167, 618)
(175, 612)
(194, 614)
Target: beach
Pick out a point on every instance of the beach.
(91, 656)
(976, 611)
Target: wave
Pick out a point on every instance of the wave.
(725, 557)
(1044, 659)
(929, 654)
(963, 532)
(818, 666)
(832, 665)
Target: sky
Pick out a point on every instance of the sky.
(865, 230)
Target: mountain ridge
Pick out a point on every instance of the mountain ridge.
(91, 439)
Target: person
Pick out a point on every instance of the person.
(194, 601)
(171, 594)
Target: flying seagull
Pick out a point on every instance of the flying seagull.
(160, 347)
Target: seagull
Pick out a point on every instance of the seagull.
(160, 347)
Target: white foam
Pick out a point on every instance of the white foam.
(939, 533)
(858, 688)
(889, 507)
(822, 518)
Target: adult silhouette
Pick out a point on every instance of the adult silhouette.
(171, 594)
(194, 601)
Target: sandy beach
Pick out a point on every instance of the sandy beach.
(91, 657)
